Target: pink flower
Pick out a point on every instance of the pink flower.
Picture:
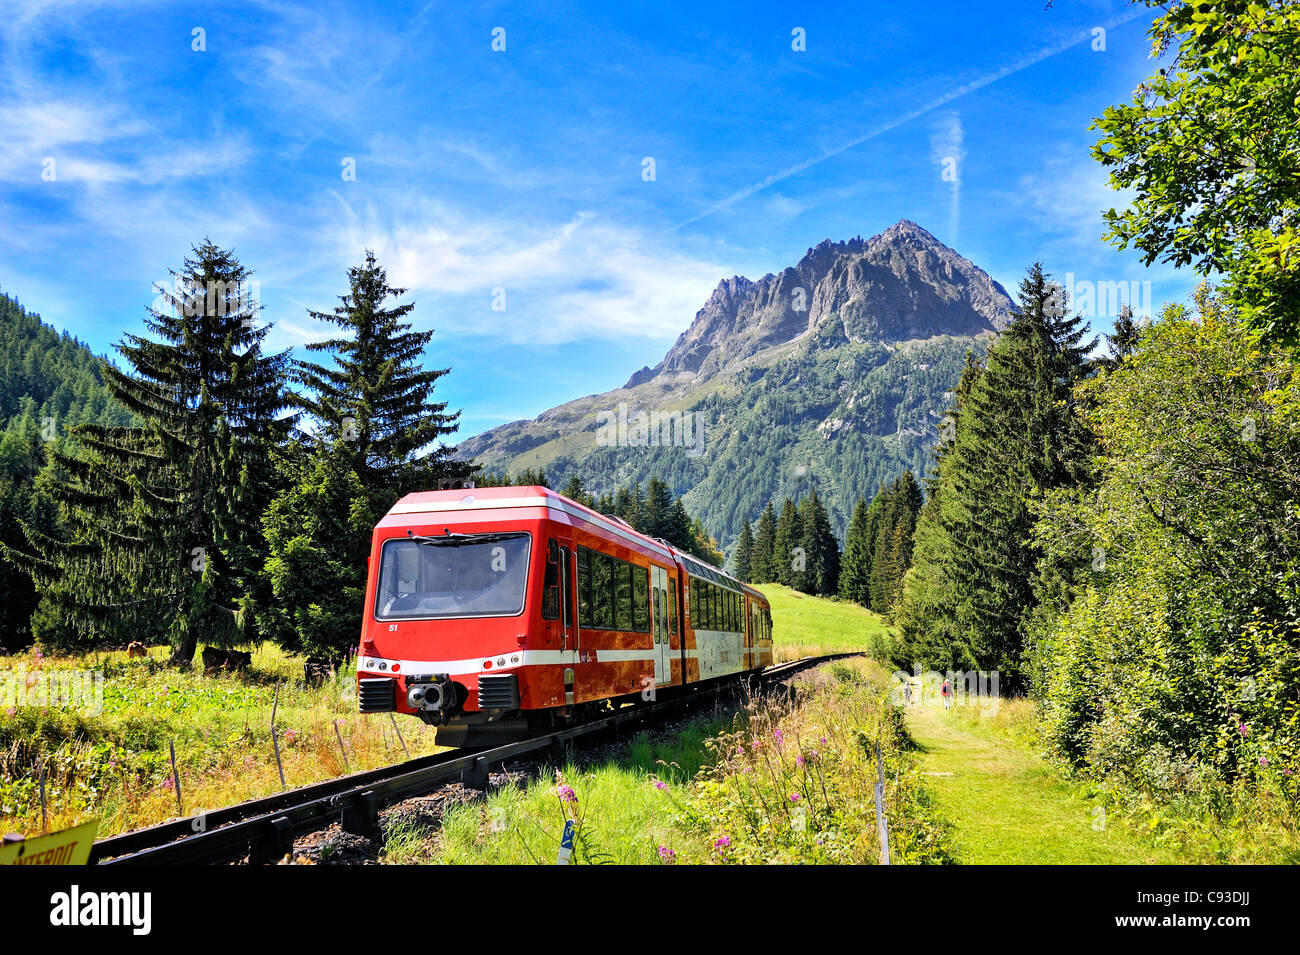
(567, 794)
(661, 785)
(1244, 729)
(722, 843)
(795, 797)
(667, 855)
(798, 760)
(1263, 761)
(778, 736)
(740, 751)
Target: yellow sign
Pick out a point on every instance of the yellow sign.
(69, 847)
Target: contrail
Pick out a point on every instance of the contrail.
(983, 81)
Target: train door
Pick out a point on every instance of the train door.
(567, 576)
(659, 625)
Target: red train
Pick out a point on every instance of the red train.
(492, 611)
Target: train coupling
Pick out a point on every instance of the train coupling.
(436, 694)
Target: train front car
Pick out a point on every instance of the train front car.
(495, 611)
(461, 592)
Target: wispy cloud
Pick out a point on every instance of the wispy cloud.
(949, 155)
(964, 89)
(583, 277)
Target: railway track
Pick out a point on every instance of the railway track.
(265, 829)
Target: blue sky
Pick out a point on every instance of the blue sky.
(522, 169)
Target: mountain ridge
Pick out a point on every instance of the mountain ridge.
(842, 359)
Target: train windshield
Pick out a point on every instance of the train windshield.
(460, 575)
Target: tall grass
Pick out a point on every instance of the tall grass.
(116, 765)
(778, 781)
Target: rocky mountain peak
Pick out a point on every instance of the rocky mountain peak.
(899, 285)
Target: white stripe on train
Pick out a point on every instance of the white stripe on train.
(517, 658)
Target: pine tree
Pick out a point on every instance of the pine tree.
(925, 618)
(318, 532)
(821, 549)
(162, 517)
(855, 574)
(657, 513)
(786, 560)
(377, 422)
(1022, 435)
(761, 565)
(1123, 340)
(744, 554)
(575, 491)
(377, 396)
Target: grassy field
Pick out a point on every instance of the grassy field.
(775, 783)
(116, 765)
(805, 626)
(1007, 806)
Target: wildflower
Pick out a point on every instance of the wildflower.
(661, 785)
(740, 751)
(756, 746)
(1263, 761)
(823, 740)
(168, 783)
(722, 843)
(1244, 729)
(1286, 772)
(567, 794)
(799, 761)
(11, 711)
(667, 855)
(795, 797)
(778, 736)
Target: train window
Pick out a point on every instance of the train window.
(480, 575)
(713, 606)
(623, 594)
(695, 605)
(602, 591)
(640, 599)
(584, 587)
(672, 607)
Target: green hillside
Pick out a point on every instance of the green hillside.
(49, 382)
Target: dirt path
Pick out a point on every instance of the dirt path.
(1007, 805)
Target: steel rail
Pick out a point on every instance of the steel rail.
(264, 829)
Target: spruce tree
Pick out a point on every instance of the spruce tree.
(744, 554)
(377, 396)
(761, 568)
(377, 421)
(926, 632)
(785, 560)
(822, 552)
(575, 491)
(657, 513)
(1021, 436)
(855, 572)
(163, 518)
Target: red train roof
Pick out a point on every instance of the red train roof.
(534, 495)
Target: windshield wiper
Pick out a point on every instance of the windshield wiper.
(458, 540)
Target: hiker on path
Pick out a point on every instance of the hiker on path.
(947, 694)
